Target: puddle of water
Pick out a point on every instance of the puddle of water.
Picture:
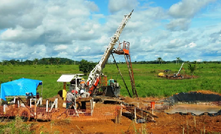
(193, 108)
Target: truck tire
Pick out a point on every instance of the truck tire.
(24, 114)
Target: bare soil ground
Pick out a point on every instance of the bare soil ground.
(103, 121)
(165, 123)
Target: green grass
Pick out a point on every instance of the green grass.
(146, 80)
(16, 127)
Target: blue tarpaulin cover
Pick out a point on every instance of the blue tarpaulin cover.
(19, 87)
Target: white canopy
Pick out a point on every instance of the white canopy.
(68, 77)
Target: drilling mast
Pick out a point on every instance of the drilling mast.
(93, 77)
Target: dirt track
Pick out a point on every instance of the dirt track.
(103, 121)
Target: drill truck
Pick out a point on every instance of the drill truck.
(94, 76)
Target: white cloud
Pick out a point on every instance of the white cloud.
(188, 8)
(72, 29)
(190, 45)
(60, 47)
(183, 11)
(21, 35)
(128, 5)
(199, 60)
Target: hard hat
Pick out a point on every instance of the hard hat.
(81, 91)
(82, 79)
(74, 91)
(82, 82)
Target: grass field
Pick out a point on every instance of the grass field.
(147, 82)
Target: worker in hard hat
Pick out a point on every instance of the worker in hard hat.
(83, 92)
(70, 99)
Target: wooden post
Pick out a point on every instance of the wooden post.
(92, 106)
(35, 109)
(4, 109)
(121, 108)
(135, 115)
(40, 100)
(30, 101)
(56, 104)
(18, 103)
(117, 118)
(47, 105)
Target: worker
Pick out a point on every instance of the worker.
(82, 84)
(70, 99)
(83, 92)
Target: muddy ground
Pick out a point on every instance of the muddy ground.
(103, 121)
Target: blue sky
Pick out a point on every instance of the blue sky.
(81, 29)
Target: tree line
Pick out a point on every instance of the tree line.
(66, 61)
(43, 61)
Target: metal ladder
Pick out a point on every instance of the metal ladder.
(125, 51)
(131, 73)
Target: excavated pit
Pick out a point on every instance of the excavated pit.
(196, 109)
(195, 103)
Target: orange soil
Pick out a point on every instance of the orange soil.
(99, 123)
(103, 121)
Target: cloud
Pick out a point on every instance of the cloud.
(128, 5)
(188, 8)
(72, 29)
(190, 45)
(23, 12)
(19, 34)
(60, 47)
(182, 13)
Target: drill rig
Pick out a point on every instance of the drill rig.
(94, 76)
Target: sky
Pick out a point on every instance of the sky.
(81, 29)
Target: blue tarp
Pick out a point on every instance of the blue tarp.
(19, 87)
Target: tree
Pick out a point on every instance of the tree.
(35, 61)
(47, 61)
(51, 60)
(28, 62)
(159, 59)
(86, 66)
(192, 68)
(4, 62)
(177, 60)
(57, 60)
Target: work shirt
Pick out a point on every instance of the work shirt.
(70, 97)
